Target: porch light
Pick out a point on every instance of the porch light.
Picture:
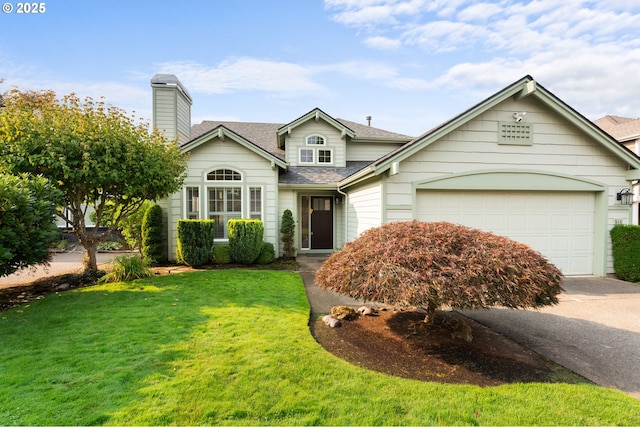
(625, 196)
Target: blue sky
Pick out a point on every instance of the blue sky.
(410, 64)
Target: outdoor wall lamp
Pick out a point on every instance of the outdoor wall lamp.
(625, 196)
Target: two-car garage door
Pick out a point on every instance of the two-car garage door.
(560, 225)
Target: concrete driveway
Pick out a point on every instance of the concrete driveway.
(61, 263)
(594, 331)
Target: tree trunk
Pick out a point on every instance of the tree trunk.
(90, 258)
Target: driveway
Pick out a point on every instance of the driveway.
(594, 331)
(61, 263)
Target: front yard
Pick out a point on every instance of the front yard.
(233, 347)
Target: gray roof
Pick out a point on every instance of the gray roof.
(261, 134)
(264, 135)
(369, 132)
(319, 175)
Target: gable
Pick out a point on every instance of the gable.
(222, 134)
(559, 131)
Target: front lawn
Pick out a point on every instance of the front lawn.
(233, 347)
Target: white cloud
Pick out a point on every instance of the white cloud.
(479, 12)
(382, 43)
(584, 51)
(283, 79)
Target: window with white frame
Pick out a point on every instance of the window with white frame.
(255, 203)
(319, 155)
(324, 156)
(193, 203)
(307, 156)
(224, 175)
(225, 203)
(315, 140)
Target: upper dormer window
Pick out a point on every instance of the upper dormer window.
(315, 140)
(224, 175)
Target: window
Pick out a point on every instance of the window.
(225, 203)
(306, 155)
(324, 156)
(255, 203)
(315, 140)
(193, 203)
(224, 175)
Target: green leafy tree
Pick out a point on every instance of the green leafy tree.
(27, 221)
(440, 264)
(93, 153)
(287, 229)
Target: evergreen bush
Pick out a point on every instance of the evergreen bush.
(287, 229)
(245, 240)
(195, 241)
(221, 254)
(267, 254)
(626, 252)
(152, 235)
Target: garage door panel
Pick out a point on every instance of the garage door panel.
(560, 225)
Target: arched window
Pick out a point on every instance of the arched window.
(224, 175)
(315, 140)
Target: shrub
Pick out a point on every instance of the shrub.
(27, 225)
(126, 268)
(221, 254)
(195, 241)
(267, 254)
(152, 235)
(626, 252)
(434, 264)
(245, 240)
(287, 229)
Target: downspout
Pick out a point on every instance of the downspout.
(346, 214)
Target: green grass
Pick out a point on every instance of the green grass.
(233, 347)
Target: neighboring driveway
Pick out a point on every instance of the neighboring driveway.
(594, 331)
(61, 263)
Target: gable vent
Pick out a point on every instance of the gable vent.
(515, 133)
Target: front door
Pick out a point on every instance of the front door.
(321, 222)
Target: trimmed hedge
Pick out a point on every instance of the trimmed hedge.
(195, 241)
(245, 240)
(267, 255)
(626, 252)
(152, 236)
(221, 254)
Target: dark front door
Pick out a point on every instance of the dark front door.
(321, 222)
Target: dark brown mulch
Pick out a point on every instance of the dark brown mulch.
(399, 343)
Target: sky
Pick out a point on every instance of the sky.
(409, 64)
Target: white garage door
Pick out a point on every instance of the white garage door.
(559, 225)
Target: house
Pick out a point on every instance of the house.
(627, 132)
(521, 163)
